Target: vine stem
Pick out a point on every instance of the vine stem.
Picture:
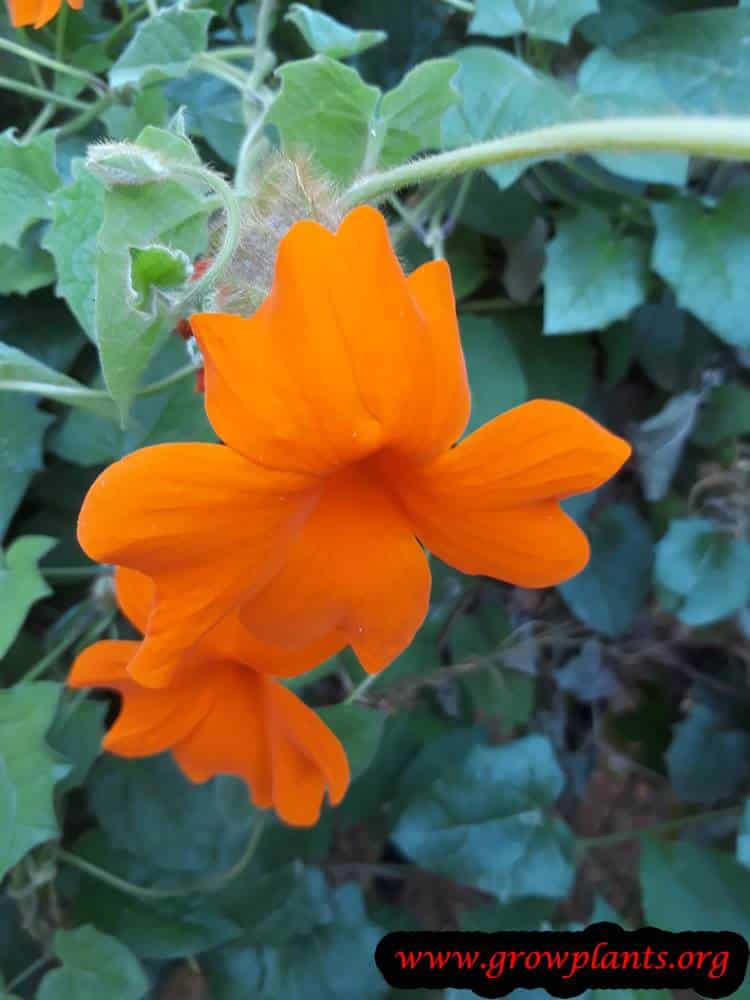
(722, 138)
(43, 95)
(144, 892)
(609, 839)
(360, 689)
(60, 67)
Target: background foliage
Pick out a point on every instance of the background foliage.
(534, 755)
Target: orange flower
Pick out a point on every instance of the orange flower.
(224, 714)
(36, 12)
(339, 402)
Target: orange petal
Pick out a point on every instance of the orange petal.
(149, 721)
(230, 640)
(23, 12)
(208, 527)
(135, 596)
(46, 11)
(356, 567)
(490, 505)
(344, 355)
(232, 737)
(307, 757)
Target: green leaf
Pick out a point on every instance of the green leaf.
(704, 256)
(148, 808)
(17, 368)
(485, 822)
(140, 216)
(593, 276)
(28, 770)
(411, 113)
(177, 413)
(22, 429)
(157, 929)
(326, 109)
(550, 19)
(708, 570)
(586, 676)
(21, 584)
(671, 346)
(154, 268)
(77, 211)
(610, 591)
(725, 415)
(687, 887)
(149, 107)
(27, 268)
(163, 46)
(359, 730)
(327, 36)
(319, 965)
(707, 761)
(502, 96)
(743, 837)
(495, 372)
(95, 965)
(27, 178)
(77, 735)
(660, 441)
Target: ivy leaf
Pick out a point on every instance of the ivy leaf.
(494, 368)
(148, 808)
(704, 256)
(327, 36)
(585, 675)
(725, 415)
(77, 735)
(163, 46)
(319, 965)
(325, 108)
(706, 569)
(28, 770)
(411, 113)
(502, 96)
(359, 729)
(94, 965)
(22, 429)
(671, 346)
(167, 214)
(21, 583)
(550, 19)
(660, 441)
(687, 887)
(593, 276)
(157, 929)
(35, 377)
(27, 178)
(26, 268)
(485, 822)
(609, 592)
(707, 761)
(77, 211)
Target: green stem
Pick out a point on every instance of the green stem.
(123, 26)
(62, 21)
(46, 113)
(164, 383)
(462, 5)
(229, 74)
(60, 67)
(716, 137)
(360, 689)
(143, 892)
(81, 121)
(233, 52)
(609, 839)
(70, 638)
(264, 59)
(231, 233)
(42, 95)
(35, 966)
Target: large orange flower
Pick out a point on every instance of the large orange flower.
(339, 402)
(224, 713)
(37, 12)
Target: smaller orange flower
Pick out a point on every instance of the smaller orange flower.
(221, 715)
(36, 12)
